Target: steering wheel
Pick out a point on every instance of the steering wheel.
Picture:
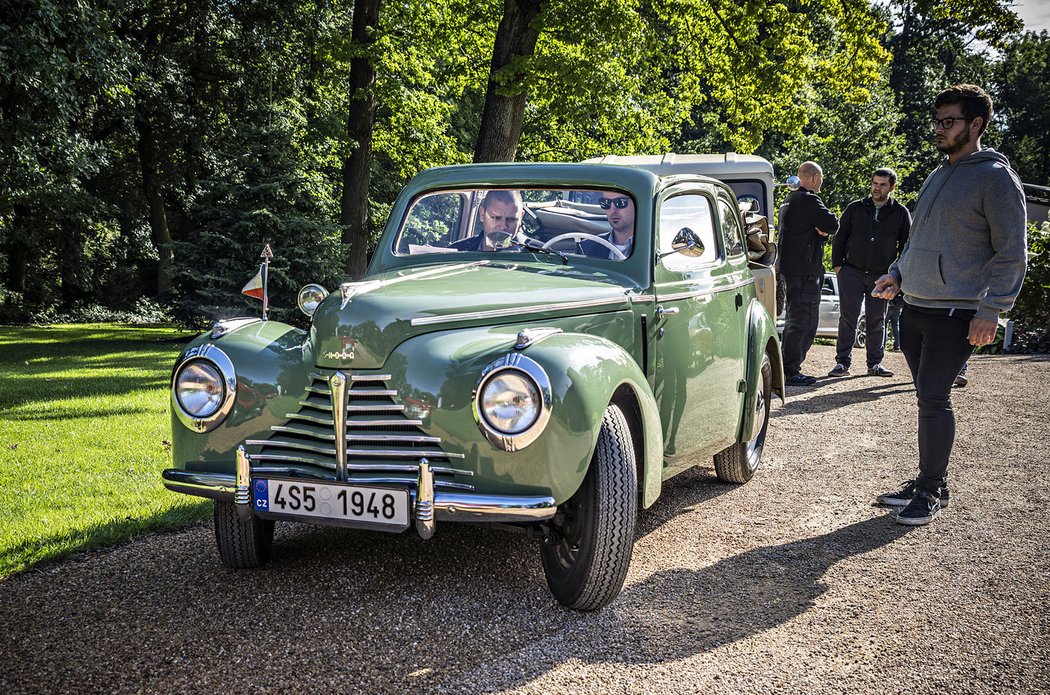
(578, 236)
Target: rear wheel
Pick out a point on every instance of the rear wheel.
(594, 531)
(243, 543)
(738, 462)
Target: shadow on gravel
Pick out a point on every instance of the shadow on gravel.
(677, 614)
(824, 402)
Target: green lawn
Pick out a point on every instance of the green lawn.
(84, 435)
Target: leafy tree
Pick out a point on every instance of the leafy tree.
(1022, 95)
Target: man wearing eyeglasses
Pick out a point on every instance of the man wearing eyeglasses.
(500, 213)
(805, 228)
(619, 210)
(962, 266)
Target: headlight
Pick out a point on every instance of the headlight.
(203, 388)
(512, 401)
(199, 389)
(310, 297)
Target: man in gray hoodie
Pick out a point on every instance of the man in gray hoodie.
(963, 265)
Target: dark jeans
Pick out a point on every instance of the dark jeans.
(936, 347)
(800, 322)
(893, 323)
(855, 288)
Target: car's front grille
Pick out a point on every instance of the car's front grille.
(384, 443)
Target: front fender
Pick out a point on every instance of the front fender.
(762, 338)
(440, 371)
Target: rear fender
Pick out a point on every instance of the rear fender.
(762, 339)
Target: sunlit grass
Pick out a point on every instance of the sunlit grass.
(84, 430)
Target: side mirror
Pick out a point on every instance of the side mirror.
(686, 242)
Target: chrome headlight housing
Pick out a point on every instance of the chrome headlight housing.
(512, 401)
(310, 297)
(203, 388)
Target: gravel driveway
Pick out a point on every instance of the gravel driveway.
(793, 581)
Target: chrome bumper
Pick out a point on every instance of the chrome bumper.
(428, 506)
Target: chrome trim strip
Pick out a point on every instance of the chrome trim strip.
(448, 506)
(380, 408)
(370, 377)
(293, 459)
(319, 391)
(291, 445)
(406, 467)
(383, 423)
(408, 438)
(337, 382)
(513, 311)
(310, 418)
(394, 453)
(317, 406)
(372, 392)
(704, 292)
(324, 436)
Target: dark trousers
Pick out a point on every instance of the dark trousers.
(893, 323)
(936, 347)
(855, 288)
(800, 322)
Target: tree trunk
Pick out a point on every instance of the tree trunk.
(357, 169)
(504, 114)
(158, 218)
(17, 251)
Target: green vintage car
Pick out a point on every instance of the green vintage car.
(537, 346)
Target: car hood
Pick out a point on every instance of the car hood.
(358, 326)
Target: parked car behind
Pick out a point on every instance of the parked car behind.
(539, 386)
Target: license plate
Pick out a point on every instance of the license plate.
(352, 505)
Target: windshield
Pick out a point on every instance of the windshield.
(565, 222)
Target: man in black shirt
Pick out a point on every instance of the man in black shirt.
(805, 228)
(871, 236)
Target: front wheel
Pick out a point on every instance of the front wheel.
(587, 562)
(243, 543)
(738, 462)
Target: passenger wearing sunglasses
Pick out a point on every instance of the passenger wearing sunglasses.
(962, 266)
(619, 210)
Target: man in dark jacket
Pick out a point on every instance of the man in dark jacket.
(806, 227)
(871, 235)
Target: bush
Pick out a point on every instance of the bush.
(144, 312)
(1031, 312)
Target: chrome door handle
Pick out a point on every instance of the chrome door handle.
(661, 312)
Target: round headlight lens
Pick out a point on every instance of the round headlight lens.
(199, 389)
(310, 297)
(510, 402)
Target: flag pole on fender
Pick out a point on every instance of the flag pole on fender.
(257, 286)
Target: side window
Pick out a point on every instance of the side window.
(432, 222)
(730, 229)
(691, 212)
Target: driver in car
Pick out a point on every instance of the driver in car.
(500, 213)
(619, 210)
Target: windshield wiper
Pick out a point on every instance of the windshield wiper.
(530, 244)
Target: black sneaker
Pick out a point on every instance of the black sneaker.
(839, 370)
(801, 379)
(922, 509)
(879, 370)
(902, 497)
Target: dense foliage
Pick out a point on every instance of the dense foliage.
(150, 149)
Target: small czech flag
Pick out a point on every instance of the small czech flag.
(255, 288)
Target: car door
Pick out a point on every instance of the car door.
(829, 306)
(697, 359)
